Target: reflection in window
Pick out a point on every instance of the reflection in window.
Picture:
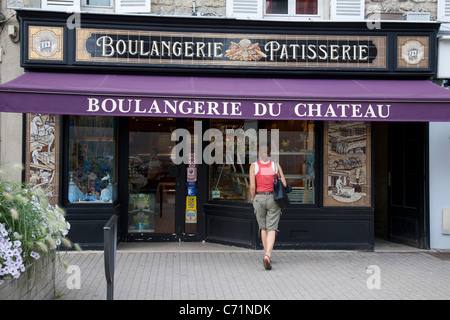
(229, 180)
(92, 159)
(291, 7)
(277, 6)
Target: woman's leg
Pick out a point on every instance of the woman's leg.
(264, 239)
(270, 242)
(272, 220)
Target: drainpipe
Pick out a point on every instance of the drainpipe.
(193, 7)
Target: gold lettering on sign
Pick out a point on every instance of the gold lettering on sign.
(220, 49)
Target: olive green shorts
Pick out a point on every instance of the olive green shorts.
(267, 212)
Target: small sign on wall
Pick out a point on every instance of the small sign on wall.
(215, 194)
(191, 174)
(191, 188)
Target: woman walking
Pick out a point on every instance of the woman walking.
(266, 209)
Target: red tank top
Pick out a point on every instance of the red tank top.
(264, 177)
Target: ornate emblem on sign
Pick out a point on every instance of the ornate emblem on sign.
(244, 50)
(413, 52)
(46, 43)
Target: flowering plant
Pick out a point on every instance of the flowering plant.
(29, 227)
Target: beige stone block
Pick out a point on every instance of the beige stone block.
(166, 2)
(407, 7)
(187, 3)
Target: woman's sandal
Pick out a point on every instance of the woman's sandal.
(266, 263)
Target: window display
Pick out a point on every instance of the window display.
(230, 180)
(297, 158)
(92, 159)
(347, 157)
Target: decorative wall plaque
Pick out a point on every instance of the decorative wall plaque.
(413, 52)
(45, 43)
(42, 154)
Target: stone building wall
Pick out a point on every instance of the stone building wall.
(401, 6)
(189, 7)
(218, 7)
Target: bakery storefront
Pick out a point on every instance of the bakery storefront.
(155, 119)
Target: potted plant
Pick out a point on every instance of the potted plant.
(31, 230)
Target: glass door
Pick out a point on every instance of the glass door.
(151, 182)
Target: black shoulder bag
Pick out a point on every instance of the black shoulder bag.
(279, 191)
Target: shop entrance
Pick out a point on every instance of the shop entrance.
(407, 184)
(401, 183)
(156, 207)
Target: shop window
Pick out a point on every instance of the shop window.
(229, 180)
(347, 164)
(92, 159)
(97, 3)
(291, 7)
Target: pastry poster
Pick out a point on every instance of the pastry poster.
(347, 163)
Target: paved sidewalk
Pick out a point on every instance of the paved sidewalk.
(189, 271)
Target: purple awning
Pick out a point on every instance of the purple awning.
(209, 97)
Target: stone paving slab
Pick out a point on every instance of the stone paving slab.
(239, 275)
